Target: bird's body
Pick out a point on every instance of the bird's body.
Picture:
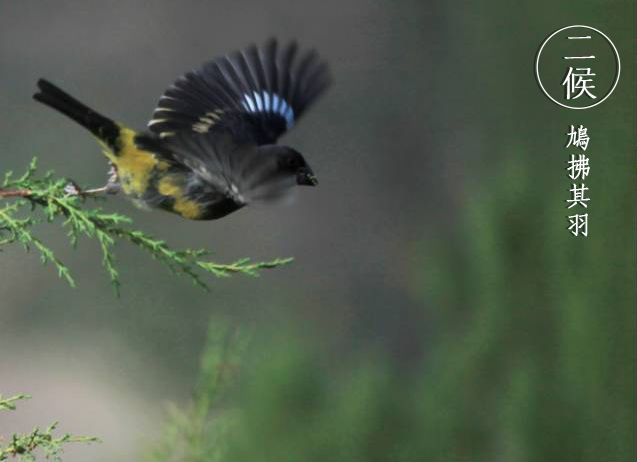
(211, 148)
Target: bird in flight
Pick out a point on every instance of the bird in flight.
(211, 144)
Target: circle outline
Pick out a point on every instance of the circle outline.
(537, 67)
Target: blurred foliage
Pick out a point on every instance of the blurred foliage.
(27, 446)
(537, 360)
(533, 359)
(200, 432)
(56, 200)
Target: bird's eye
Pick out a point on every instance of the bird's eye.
(294, 162)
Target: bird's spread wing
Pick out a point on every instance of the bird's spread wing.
(221, 165)
(256, 94)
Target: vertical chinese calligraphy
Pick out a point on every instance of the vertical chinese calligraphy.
(578, 169)
(577, 67)
(578, 225)
(578, 138)
(579, 80)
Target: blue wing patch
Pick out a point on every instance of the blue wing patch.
(265, 102)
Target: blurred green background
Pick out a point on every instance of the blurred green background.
(437, 309)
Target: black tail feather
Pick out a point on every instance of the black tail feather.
(100, 126)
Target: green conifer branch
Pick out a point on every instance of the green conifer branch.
(25, 445)
(52, 196)
(8, 404)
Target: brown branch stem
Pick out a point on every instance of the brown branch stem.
(7, 193)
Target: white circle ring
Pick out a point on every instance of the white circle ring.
(537, 67)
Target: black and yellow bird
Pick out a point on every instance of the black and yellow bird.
(211, 145)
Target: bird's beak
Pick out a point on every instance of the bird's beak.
(306, 178)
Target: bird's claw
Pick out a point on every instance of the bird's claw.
(112, 184)
(72, 189)
(112, 187)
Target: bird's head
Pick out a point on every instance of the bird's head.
(292, 162)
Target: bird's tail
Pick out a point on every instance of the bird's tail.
(102, 127)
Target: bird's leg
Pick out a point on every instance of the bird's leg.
(112, 186)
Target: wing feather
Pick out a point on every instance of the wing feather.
(256, 94)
